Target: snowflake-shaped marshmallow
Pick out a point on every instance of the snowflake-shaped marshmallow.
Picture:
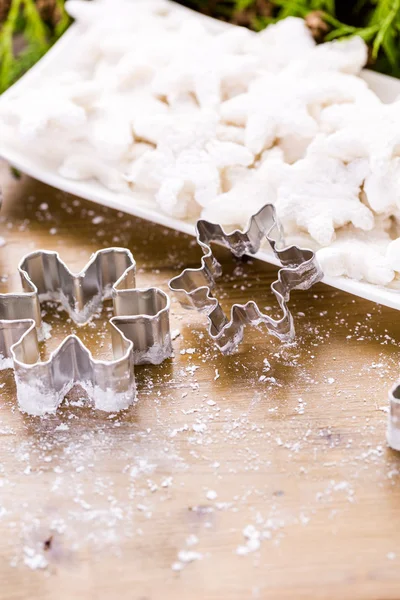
(279, 44)
(111, 126)
(359, 255)
(59, 106)
(370, 130)
(115, 11)
(111, 29)
(393, 254)
(179, 127)
(252, 189)
(212, 67)
(81, 167)
(345, 56)
(284, 106)
(186, 164)
(319, 194)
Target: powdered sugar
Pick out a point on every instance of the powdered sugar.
(244, 472)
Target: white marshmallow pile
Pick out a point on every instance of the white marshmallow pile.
(213, 121)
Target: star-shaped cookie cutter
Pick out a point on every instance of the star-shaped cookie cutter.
(193, 286)
(140, 331)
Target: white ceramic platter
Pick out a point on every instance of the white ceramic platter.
(387, 88)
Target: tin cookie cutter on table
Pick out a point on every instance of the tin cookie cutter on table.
(193, 286)
(140, 330)
(393, 425)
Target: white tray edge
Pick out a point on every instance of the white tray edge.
(386, 87)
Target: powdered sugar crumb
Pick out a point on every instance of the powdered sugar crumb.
(211, 495)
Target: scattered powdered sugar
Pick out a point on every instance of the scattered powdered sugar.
(290, 457)
(34, 559)
(5, 363)
(252, 536)
(84, 457)
(184, 558)
(44, 333)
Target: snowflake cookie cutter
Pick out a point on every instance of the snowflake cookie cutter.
(193, 287)
(140, 331)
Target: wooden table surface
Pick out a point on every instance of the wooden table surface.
(277, 447)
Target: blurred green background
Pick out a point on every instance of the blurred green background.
(28, 28)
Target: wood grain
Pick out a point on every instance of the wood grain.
(291, 439)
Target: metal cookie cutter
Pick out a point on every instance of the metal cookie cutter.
(139, 330)
(393, 426)
(193, 286)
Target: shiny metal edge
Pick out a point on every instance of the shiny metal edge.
(193, 287)
(140, 330)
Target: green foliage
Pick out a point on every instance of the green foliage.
(380, 28)
(300, 8)
(376, 21)
(24, 20)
